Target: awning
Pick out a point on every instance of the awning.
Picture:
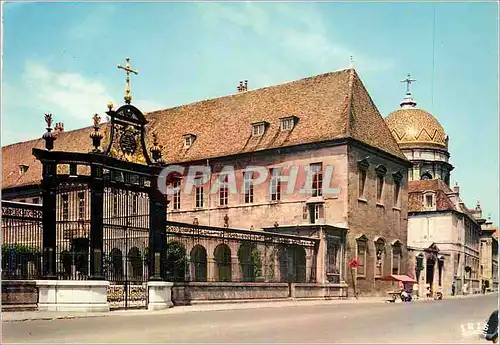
(400, 278)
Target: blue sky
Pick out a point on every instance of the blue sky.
(62, 57)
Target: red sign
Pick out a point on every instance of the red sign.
(354, 263)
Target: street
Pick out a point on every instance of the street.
(429, 321)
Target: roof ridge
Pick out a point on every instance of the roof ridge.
(349, 101)
(238, 94)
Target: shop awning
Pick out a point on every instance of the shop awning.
(400, 278)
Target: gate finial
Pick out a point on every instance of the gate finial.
(49, 136)
(96, 136)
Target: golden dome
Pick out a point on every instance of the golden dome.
(416, 128)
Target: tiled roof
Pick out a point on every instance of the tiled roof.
(443, 201)
(222, 126)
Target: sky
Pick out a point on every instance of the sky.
(62, 58)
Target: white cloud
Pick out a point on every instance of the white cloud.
(71, 98)
(298, 29)
(71, 94)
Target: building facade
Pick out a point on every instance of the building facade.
(488, 252)
(308, 135)
(443, 234)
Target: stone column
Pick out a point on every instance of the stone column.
(236, 275)
(211, 268)
(308, 265)
(320, 259)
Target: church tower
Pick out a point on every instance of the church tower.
(421, 138)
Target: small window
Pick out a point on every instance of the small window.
(317, 179)
(361, 247)
(189, 140)
(198, 192)
(305, 213)
(381, 170)
(380, 188)
(379, 257)
(23, 168)
(248, 185)
(258, 129)
(36, 200)
(223, 190)
(287, 124)
(361, 182)
(316, 213)
(396, 258)
(177, 195)
(275, 184)
(428, 201)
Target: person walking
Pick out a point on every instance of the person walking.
(453, 287)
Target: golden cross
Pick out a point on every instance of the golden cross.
(128, 69)
(408, 81)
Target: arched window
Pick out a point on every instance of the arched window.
(222, 255)
(199, 263)
(361, 254)
(176, 261)
(396, 257)
(116, 264)
(380, 254)
(135, 260)
(426, 176)
(250, 262)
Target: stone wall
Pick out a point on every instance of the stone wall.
(304, 290)
(19, 295)
(373, 219)
(201, 292)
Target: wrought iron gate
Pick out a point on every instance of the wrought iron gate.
(126, 236)
(96, 214)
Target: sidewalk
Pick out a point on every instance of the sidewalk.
(36, 315)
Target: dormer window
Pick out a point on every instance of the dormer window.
(23, 168)
(189, 140)
(259, 128)
(287, 123)
(429, 201)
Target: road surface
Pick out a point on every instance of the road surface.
(428, 322)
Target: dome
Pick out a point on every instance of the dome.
(416, 128)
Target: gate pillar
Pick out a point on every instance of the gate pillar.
(49, 219)
(96, 222)
(157, 229)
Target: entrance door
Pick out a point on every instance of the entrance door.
(430, 274)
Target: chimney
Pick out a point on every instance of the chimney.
(243, 86)
(456, 189)
(59, 128)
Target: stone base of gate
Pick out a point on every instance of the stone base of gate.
(160, 295)
(73, 295)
